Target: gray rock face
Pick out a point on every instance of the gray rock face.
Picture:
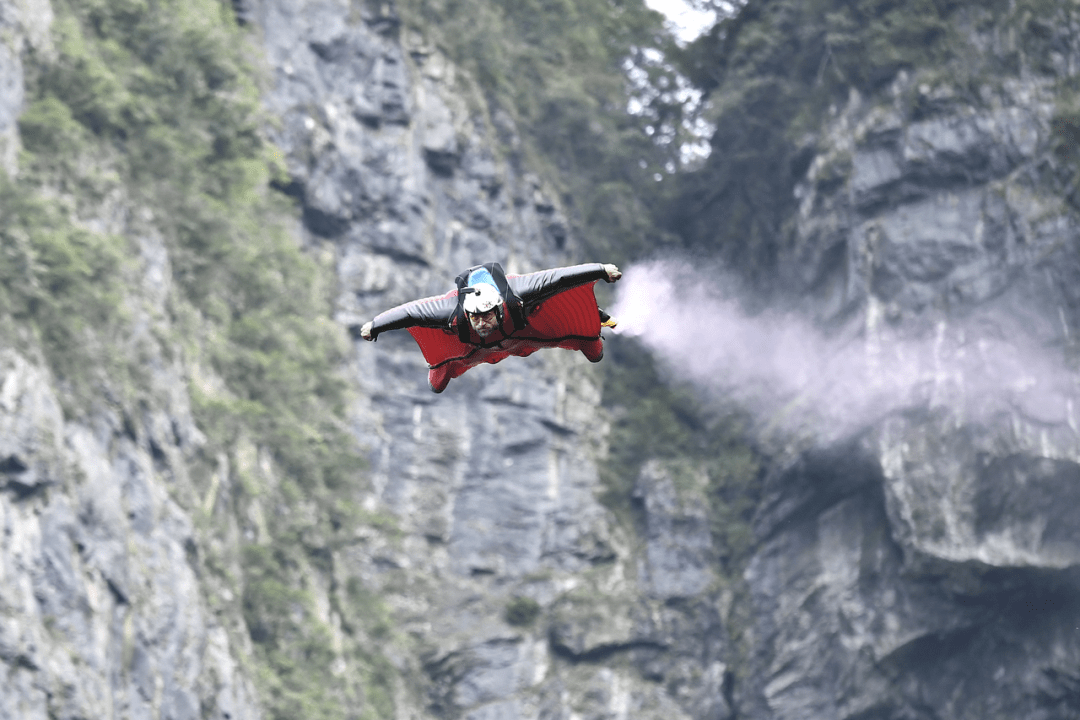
(678, 541)
(927, 567)
(404, 178)
(408, 179)
(101, 614)
(853, 619)
(924, 567)
(938, 211)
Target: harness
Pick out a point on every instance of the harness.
(512, 301)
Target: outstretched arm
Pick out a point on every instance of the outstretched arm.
(534, 288)
(428, 312)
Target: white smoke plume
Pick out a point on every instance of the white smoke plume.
(793, 376)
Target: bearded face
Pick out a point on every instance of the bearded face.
(484, 323)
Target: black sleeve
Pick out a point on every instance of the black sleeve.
(536, 287)
(428, 312)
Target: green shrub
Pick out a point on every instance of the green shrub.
(522, 611)
(164, 92)
(61, 281)
(47, 127)
(152, 106)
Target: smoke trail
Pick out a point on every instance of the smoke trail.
(794, 376)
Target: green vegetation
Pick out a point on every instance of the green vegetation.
(1066, 130)
(145, 122)
(58, 280)
(522, 611)
(555, 67)
(780, 69)
(775, 72)
(1066, 140)
(296, 649)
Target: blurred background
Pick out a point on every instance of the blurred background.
(829, 467)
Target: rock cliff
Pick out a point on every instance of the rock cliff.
(406, 172)
(926, 566)
(101, 612)
(485, 581)
(922, 565)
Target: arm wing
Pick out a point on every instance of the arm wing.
(534, 288)
(433, 311)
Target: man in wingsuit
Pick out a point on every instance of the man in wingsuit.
(491, 315)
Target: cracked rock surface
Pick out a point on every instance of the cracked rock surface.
(925, 566)
(922, 566)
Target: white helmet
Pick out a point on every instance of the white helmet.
(481, 298)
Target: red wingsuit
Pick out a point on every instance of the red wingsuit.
(558, 307)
